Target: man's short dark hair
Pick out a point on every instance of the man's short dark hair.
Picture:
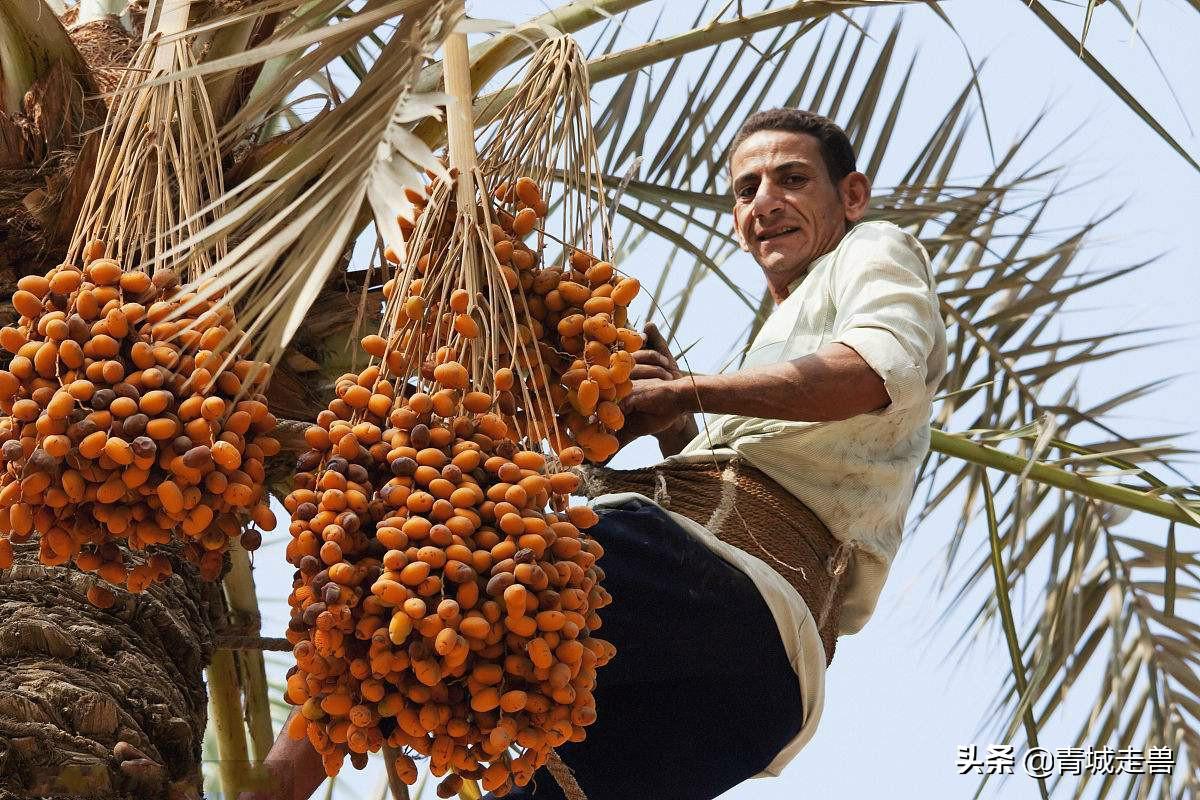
(836, 150)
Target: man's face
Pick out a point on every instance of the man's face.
(786, 212)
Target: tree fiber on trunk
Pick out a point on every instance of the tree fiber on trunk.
(102, 703)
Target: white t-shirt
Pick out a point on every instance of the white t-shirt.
(875, 293)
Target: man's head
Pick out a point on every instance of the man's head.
(796, 191)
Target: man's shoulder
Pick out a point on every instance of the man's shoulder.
(878, 231)
(880, 239)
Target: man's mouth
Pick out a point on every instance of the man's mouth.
(766, 237)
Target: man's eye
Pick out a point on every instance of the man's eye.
(796, 180)
(747, 191)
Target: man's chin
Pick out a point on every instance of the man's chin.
(781, 263)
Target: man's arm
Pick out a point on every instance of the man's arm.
(294, 769)
(834, 383)
(887, 324)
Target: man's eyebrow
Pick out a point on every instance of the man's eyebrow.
(787, 165)
(745, 176)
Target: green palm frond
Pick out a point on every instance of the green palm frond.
(1127, 97)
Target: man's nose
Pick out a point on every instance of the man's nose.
(767, 200)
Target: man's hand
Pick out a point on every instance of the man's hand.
(651, 407)
(657, 405)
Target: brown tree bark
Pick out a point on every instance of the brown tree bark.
(102, 703)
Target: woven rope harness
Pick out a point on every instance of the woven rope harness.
(743, 507)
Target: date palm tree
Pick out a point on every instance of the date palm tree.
(113, 703)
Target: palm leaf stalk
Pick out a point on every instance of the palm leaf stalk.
(1010, 629)
(243, 605)
(1148, 502)
(32, 44)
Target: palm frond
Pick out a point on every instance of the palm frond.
(290, 238)
(1101, 72)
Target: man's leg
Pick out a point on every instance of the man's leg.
(701, 695)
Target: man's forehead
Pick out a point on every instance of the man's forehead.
(767, 150)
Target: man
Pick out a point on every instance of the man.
(722, 637)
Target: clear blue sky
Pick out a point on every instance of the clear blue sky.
(895, 709)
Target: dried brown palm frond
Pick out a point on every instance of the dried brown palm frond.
(292, 219)
(157, 167)
(257, 55)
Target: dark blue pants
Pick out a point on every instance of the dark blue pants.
(700, 695)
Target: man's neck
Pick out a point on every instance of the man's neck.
(781, 288)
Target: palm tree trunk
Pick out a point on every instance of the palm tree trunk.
(102, 703)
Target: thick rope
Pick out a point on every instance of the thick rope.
(743, 507)
(565, 777)
(729, 487)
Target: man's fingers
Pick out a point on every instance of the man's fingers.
(655, 339)
(636, 397)
(643, 372)
(655, 358)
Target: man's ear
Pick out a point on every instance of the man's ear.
(855, 192)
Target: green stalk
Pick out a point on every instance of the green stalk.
(491, 56)
(643, 55)
(225, 712)
(1009, 624)
(243, 601)
(497, 53)
(963, 448)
